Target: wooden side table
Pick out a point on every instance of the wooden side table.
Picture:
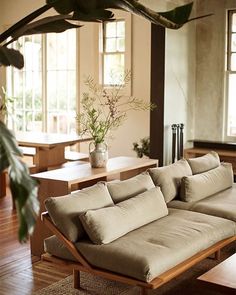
(63, 181)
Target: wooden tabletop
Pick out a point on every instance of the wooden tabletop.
(84, 172)
(223, 274)
(47, 140)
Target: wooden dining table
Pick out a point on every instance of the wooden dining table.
(49, 147)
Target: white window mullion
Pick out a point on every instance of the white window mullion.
(44, 83)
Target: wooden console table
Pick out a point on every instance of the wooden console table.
(224, 274)
(63, 181)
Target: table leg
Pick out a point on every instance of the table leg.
(45, 158)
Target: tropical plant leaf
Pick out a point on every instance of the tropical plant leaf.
(23, 21)
(51, 24)
(11, 57)
(63, 6)
(179, 15)
(23, 187)
(97, 15)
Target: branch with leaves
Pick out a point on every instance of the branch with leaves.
(104, 110)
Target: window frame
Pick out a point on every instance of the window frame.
(44, 74)
(228, 71)
(128, 18)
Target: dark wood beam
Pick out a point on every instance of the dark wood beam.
(157, 92)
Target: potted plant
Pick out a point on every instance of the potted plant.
(142, 148)
(102, 111)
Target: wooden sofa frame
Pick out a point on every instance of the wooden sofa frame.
(84, 266)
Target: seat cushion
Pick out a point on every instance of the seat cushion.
(204, 163)
(64, 211)
(156, 247)
(200, 186)
(222, 204)
(129, 188)
(108, 224)
(169, 178)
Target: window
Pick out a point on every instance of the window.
(44, 90)
(115, 48)
(113, 51)
(231, 75)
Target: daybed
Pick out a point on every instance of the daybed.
(128, 231)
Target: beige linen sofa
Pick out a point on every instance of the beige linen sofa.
(143, 231)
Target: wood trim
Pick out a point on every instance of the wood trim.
(69, 245)
(84, 266)
(157, 92)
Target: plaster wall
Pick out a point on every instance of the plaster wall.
(210, 74)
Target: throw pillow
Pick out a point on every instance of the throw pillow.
(204, 163)
(64, 210)
(200, 186)
(108, 224)
(169, 178)
(129, 188)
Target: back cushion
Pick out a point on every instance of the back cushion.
(108, 224)
(200, 186)
(129, 188)
(64, 211)
(169, 178)
(204, 163)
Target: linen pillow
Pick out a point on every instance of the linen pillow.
(200, 186)
(169, 178)
(64, 210)
(108, 224)
(204, 163)
(129, 188)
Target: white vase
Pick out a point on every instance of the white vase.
(98, 154)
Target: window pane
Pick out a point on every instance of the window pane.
(110, 45)
(232, 105)
(110, 30)
(233, 62)
(113, 68)
(234, 22)
(233, 42)
(120, 29)
(121, 44)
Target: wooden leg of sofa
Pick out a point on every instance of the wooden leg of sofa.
(144, 291)
(76, 276)
(217, 255)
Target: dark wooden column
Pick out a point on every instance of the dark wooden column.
(157, 92)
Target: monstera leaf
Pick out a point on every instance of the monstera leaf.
(23, 187)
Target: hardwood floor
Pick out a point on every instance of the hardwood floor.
(21, 274)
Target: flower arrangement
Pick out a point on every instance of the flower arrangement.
(104, 110)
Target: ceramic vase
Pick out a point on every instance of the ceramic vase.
(98, 154)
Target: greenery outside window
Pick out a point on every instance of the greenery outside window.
(45, 90)
(231, 76)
